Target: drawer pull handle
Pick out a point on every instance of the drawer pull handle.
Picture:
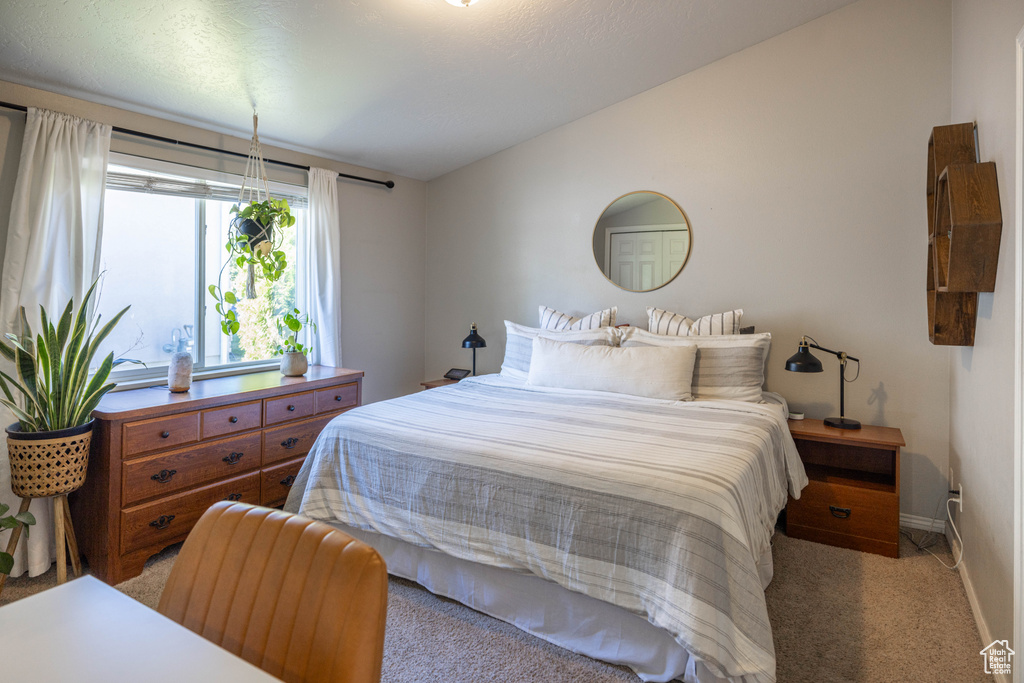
(164, 476)
(841, 513)
(339, 398)
(232, 458)
(291, 409)
(289, 480)
(234, 496)
(163, 522)
(164, 435)
(232, 419)
(290, 443)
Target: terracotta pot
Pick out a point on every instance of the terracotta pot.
(294, 364)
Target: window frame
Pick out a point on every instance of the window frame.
(131, 376)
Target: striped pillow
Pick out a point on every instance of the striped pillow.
(727, 366)
(666, 322)
(519, 345)
(550, 319)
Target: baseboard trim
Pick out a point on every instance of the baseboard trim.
(923, 523)
(972, 599)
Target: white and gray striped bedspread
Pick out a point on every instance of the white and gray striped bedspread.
(659, 507)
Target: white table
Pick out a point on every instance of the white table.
(86, 631)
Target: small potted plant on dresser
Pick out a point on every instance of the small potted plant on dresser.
(53, 398)
(293, 362)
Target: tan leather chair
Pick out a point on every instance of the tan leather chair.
(297, 598)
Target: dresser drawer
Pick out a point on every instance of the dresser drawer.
(159, 433)
(168, 520)
(288, 408)
(293, 440)
(231, 420)
(277, 482)
(840, 514)
(337, 398)
(165, 473)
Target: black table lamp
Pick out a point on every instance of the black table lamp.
(473, 341)
(804, 361)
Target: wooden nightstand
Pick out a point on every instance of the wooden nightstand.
(853, 497)
(435, 383)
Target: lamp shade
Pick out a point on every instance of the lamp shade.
(803, 361)
(475, 341)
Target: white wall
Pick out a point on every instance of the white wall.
(382, 232)
(800, 163)
(981, 377)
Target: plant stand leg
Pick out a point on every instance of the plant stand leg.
(58, 539)
(69, 530)
(12, 543)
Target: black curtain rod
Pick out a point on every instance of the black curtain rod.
(159, 138)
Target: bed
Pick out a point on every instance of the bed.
(633, 530)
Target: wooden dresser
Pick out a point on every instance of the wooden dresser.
(853, 497)
(159, 460)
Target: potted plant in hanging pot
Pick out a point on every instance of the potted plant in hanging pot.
(256, 221)
(255, 245)
(293, 362)
(53, 398)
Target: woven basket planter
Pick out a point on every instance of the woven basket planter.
(48, 463)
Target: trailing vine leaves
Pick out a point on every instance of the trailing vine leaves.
(7, 521)
(267, 260)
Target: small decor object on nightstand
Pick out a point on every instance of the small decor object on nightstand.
(473, 341)
(456, 374)
(804, 361)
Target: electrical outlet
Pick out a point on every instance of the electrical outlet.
(958, 490)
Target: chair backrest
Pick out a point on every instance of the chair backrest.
(297, 598)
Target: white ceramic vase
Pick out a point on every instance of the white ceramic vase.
(179, 372)
(294, 364)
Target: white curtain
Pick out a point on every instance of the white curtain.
(319, 267)
(52, 255)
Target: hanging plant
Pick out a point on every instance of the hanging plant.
(256, 223)
(254, 242)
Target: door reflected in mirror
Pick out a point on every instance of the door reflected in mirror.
(642, 241)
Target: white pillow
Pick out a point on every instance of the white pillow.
(727, 366)
(653, 372)
(666, 322)
(519, 345)
(550, 319)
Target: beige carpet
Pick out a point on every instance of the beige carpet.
(837, 615)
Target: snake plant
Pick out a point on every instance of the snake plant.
(54, 390)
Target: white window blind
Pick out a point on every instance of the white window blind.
(185, 187)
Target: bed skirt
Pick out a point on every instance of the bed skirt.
(544, 609)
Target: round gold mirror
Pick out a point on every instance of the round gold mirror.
(641, 241)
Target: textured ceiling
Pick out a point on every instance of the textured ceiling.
(411, 87)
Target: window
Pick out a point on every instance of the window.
(165, 227)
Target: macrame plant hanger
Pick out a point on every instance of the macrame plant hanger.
(254, 188)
